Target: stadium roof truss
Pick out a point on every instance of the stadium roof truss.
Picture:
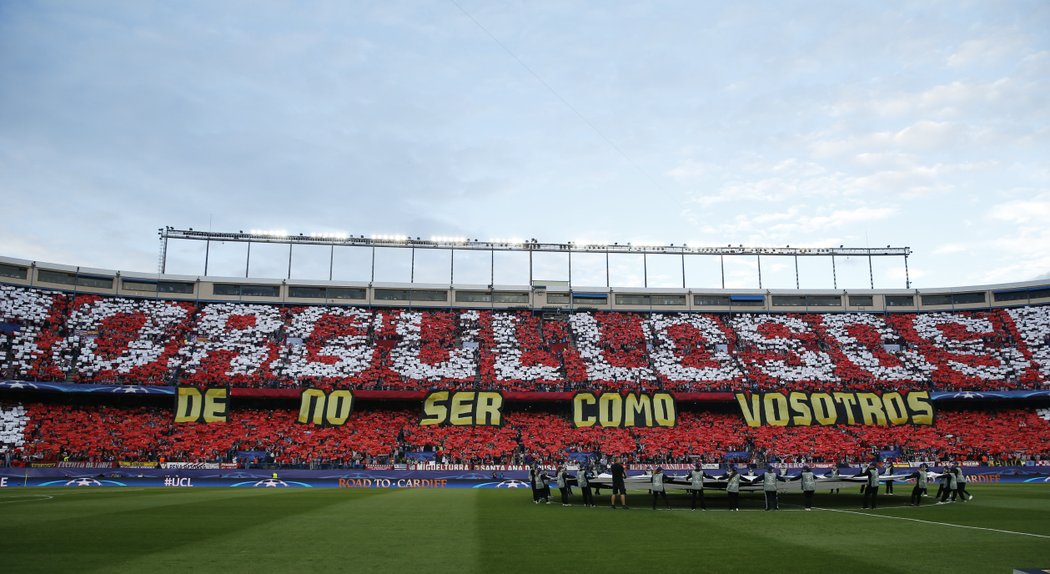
(530, 246)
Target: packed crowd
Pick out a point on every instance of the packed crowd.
(13, 420)
(109, 433)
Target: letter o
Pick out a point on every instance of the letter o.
(610, 410)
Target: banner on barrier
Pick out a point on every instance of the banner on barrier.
(673, 466)
(631, 410)
(190, 465)
(837, 408)
(84, 464)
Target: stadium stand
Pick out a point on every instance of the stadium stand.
(111, 433)
(49, 336)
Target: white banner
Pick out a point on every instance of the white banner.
(439, 467)
(674, 466)
(72, 464)
(191, 465)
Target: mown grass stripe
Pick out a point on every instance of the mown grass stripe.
(872, 515)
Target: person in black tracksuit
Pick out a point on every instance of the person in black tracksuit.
(733, 489)
(951, 485)
(584, 482)
(942, 484)
(696, 486)
(960, 480)
(871, 488)
(539, 482)
(889, 483)
(769, 487)
(920, 485)
(809, 486)
(658, 488)
(619, 484)
(563, 486)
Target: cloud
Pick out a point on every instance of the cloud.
(950, 249)
(898, 274)
(1035, 210)
(923, 135)
(973, 101)
(926, 134)
(1004, 46)
(1023, 248)
(860, 174)
(794, 225)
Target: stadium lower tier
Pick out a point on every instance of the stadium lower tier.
(49, 432)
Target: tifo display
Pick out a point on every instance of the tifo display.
(49, 336)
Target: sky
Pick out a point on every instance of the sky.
(809, 124)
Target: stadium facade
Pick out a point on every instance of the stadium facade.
(555, 296)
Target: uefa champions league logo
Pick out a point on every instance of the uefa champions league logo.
(82, 481)
(130, 389)
(18, 385)
(504, 484)
(271, 483)
(968, 395)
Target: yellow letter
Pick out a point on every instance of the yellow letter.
(665, 410)
(311, 409)
(462, 411)
(188, 406)
(920, 407)
(776, 407)
(871, 409)
(580, 402)
(434, 410)
(340, 403)
(896, 410)
(489, 405)
(610, 409)
(801, 414)
(752, 413)
(215, 406)
(638, 404)
(824, 408)
(847, 400)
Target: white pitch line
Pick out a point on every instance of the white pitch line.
(934, 522)
(28, 498)
(94, 490)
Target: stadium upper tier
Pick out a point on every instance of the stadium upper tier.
(49, 335)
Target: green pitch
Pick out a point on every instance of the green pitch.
(472, 530)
